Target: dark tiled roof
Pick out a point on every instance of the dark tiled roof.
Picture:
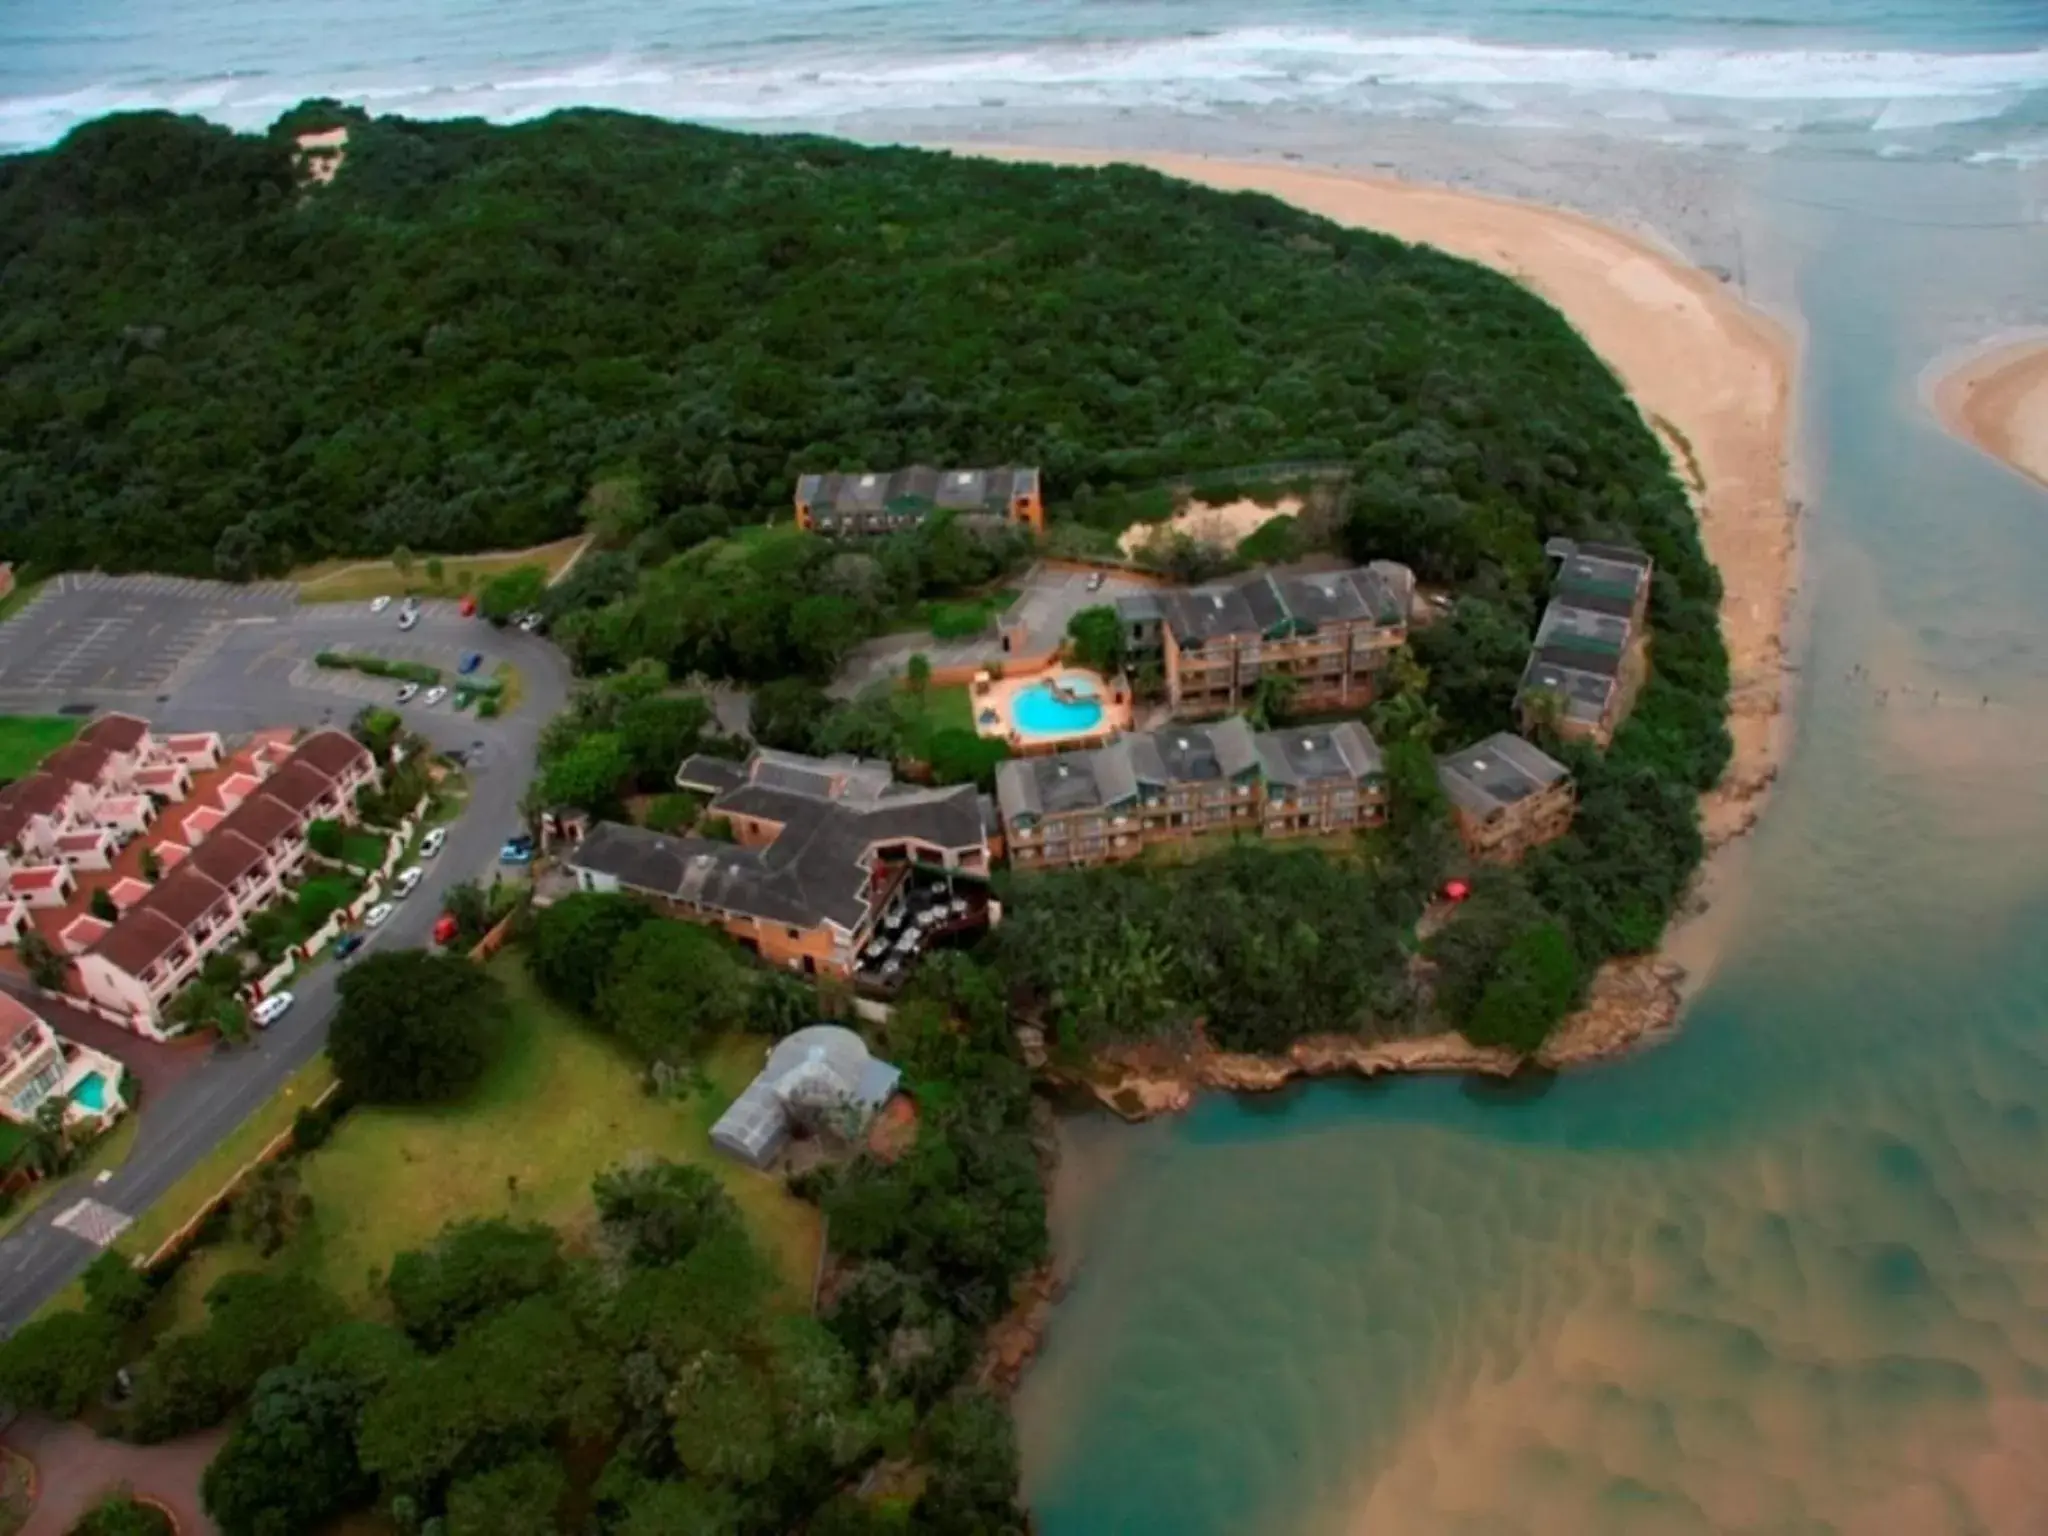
(183, 896)
(81, 762)
(1500, 771)
(225, 857)
(710, 775)
(117, 733)
(916, 490)
(1263, 603)
(333, 753)
(259, 819)
(138, 940)
(297, 786)
(815, 870)
(1317, 755)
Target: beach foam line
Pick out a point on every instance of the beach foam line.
(1249, 67)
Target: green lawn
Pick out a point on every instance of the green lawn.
(964, 618)
(25, 740)
(365, 850)
(560, 1105)
(937, 709)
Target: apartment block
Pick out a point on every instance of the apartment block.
(1184, 782)
(1330, 634)
(1507, 796)
(865, 503)
(1592, 644)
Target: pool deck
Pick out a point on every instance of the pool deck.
(998, 694)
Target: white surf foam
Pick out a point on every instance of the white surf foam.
(1243, 68)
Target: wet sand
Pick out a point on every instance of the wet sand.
(1997, 399)
(1712, 376)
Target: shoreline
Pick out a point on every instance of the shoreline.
(1712, 375)
(1994, 396)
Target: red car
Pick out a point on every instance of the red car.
(444, 928)
(469, 607)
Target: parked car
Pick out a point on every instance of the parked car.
(533, 623)
(407, 619)
(431, 843)
(406, 692)
(407, 880)
(377, 915)
(445, 928)
(434, 695)
(468, 607)
(517, 851)
(347, 945)
(471, 662)
(270, 1010)
(380, 603)
(1095, 581)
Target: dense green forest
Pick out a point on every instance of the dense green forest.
(206, 368)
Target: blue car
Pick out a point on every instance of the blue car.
(471, 662)
(517, 850)
(347, 945)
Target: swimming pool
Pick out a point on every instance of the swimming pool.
(1038, 711)
(91, 1092)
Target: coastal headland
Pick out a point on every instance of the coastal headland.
(1996, 398)
(1713, 377)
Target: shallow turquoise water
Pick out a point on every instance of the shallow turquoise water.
(1788, 1272)
(91, 1092)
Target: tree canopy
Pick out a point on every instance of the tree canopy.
(484, 337)
(413, 1027)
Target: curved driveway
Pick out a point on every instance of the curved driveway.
(243, 686)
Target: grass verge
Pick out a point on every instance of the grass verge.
(349, 581)
(25, 740)
(183, 1200)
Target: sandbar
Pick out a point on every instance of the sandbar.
(1997, 399)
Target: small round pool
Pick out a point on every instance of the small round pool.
(1073, 710)
(91, 1092)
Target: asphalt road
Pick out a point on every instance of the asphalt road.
(241, 684)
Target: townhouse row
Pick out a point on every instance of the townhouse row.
(219, 862)
(1188, 781)
(1329, 635)
(1591, 654)
(84, 802)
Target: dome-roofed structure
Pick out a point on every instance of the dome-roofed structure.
(821, 1077)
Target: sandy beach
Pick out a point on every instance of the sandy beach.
(1997, 399)
(1712, 376)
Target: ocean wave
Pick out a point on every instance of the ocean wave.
(1685, 88)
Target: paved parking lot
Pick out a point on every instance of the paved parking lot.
(88, 633)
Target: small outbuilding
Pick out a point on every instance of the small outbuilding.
(820, 1079)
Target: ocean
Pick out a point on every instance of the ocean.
(1787, 1272)
(1907, 77)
